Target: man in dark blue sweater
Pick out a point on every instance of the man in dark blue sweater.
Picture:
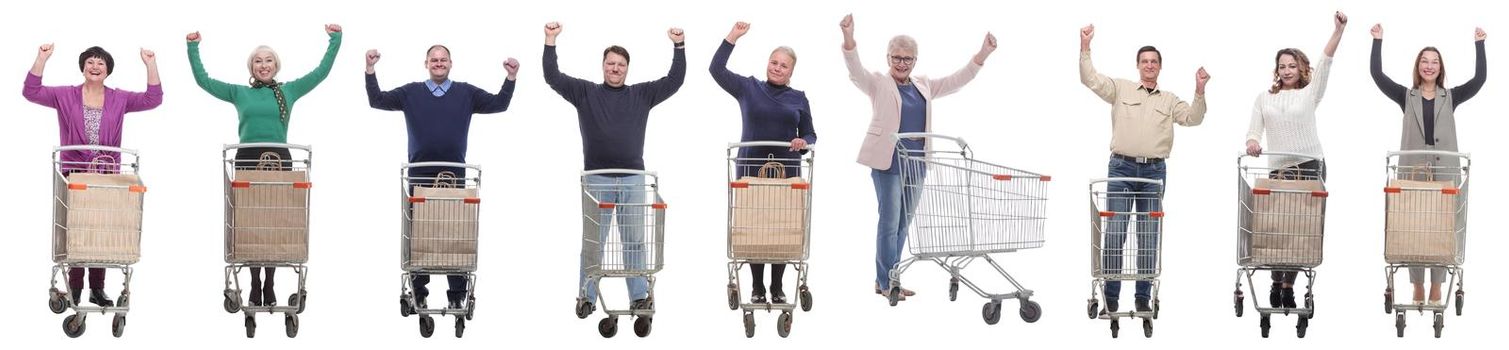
(438, 113)
(612, 118)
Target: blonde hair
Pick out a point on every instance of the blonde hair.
(903, 42)
(788, 51)
(277, 64)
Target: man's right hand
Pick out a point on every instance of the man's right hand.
(1085, 35)
(372, 57)
(552, 29)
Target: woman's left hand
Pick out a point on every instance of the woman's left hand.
(332, 28)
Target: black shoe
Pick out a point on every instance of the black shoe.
(1142, 306)
(454, 305)
(98, 297)
(777, 296)
(455, 298)
(1288, 296)
(1111, 306)
(269, 298)
(256, 296)
(420, 304)
(642, 304)
(76, 293)
(758, 297)
(1275, 296)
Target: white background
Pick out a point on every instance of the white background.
(1026, 108)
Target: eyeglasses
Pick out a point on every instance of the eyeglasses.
(907, 60)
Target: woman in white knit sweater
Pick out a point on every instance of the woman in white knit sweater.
(1286, 113)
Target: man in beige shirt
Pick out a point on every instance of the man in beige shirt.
(1142, 118)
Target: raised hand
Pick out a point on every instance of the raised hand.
(1377, 31)
(738, 31)
(148, 57)
(1479, 34)
(44, 52)
(986, 48)
(1085, 35)
(847, 26)
(512, 66)
(677, 35)
(192, 37)
(372, 57)
(1201, 77)
(552, 29)
(332, 28)
(1341, 20)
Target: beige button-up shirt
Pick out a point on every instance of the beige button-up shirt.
(1142, 121)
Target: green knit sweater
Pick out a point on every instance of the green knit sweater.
(257, 108)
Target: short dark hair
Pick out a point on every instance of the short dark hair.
(1152, 49)
(437, 46)
(620, 50)
(97, 52)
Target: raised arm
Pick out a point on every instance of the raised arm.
(1341, 26)
(32, 88)
(1193, 114)
(302, 85)
(1391, 89)
(953, 82)
(387, 101)
(484, 102)
(1103, 86)
(152, 97)
(861, 77)
(728, 80)
(1321, 77)
(1469, 89)
(574, 90)
(662, 89)
(218, 89)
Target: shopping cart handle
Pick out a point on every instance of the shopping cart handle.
(406, 166)
(1430, 152)
(916, 135)
(266, 145)
(94, 148)
(1283, 154)
(1127, 179)
(786, 144)
(617, 172)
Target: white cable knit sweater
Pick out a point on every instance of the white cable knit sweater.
(1288, 117)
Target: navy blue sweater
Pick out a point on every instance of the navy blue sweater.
(769, 113)
(612, 120)
(438, 125)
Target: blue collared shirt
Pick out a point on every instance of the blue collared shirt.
(438, 89)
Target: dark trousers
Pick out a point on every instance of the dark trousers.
(96, 278)
(757, 272)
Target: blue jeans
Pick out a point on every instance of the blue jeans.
(626, 190)
(896, 202)
(1143, 198)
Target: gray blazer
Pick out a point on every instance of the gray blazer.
(1412, 135)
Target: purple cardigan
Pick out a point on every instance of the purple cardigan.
(68, 101)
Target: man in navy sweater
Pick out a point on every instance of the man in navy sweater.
(438, 113)
(612, 118)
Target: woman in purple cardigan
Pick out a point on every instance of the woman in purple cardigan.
(91, 114)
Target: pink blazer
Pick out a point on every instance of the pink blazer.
(885, 101)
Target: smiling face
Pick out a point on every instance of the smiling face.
(1149, 64)
(901, 54)
(1287, 71)
(615, 69)
(1428, 68)
(95, 70)
(778, 69)
(263, 64)
(439, 63)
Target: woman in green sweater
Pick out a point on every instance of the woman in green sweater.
(263, 110)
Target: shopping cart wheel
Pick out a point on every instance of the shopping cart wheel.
(783, 325)
(1236, 300)
(953, 289)
(1440, 323)
(1399, 323)
(251, 327)
(608, 327)
(1459, 294)
(733, 296)
(426, 326)
(1030, 311)
(1093, 308)
(232, 305)
(471, 307)
(1265, 324)
(56, 302)
(1310, 305)
(124, 300)
(291, 325)
(73, 325)
(404, 308)
(583, 308)
(118, 326)
(1301, 327)
(642, 326)
(460, 326)
(895, 295)
(805, 297)
(1115, 328)
(1156, 309)
(298, 299)
(749, 324)
(1147, 328)
(1388, 301)
(991, 311)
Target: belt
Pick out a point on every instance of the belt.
(1138, 160)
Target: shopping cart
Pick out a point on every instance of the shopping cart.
(630, 206)
(1116, 204)
(97, 217)
(440, 232)
(967, 209)
(769, 222)
(1282, 215)
(1425, 226)
(266, 226)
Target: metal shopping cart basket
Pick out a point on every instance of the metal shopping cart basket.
(1125, 209)
(440, 231)
(623, 228)
(769, 222)
(266, 226)
(1425, 226)
(1282, 216)
(97, 217)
